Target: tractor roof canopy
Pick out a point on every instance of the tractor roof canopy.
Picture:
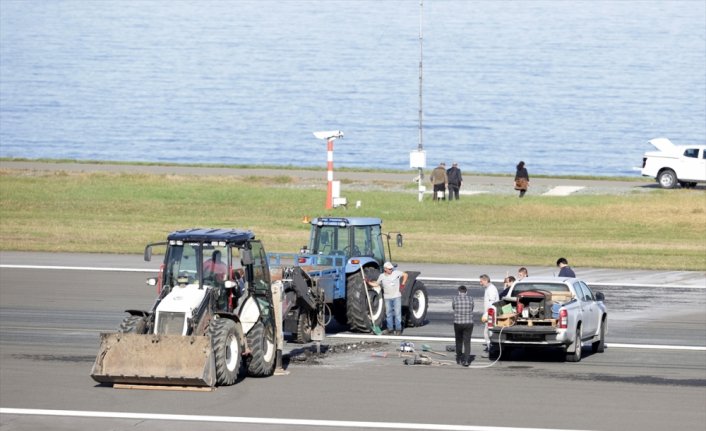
(346, 221)
(231, 236)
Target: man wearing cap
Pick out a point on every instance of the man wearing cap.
(439, 180)
(391, 280)
(455, 181)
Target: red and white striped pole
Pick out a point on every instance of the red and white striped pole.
(330, 136)
(329, 173)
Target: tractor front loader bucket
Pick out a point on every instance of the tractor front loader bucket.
(155, 360)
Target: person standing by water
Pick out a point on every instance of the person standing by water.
(439, 180)
(455, 181)
(521, 178)
(462, 305)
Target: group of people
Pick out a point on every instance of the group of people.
(452, 179)
(442, 178)
(462, 305)
(392, 281)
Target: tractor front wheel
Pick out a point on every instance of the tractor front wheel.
(226, 350)
(261, 340)
(418, 304)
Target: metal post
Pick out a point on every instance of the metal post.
(420, 147)
(329, 173)
(330, 136)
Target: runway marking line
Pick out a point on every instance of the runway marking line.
(482, 341)
(460, 280)
(264, 421)
(79, 268)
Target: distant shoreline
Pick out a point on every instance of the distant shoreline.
(274, 170)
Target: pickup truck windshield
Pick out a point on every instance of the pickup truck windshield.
(551, 287)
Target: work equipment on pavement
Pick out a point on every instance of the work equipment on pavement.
(427, 348)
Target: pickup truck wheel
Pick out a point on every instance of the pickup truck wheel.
(573, 352)
(226, 350)
(667, 179)
(418, 303)
(261, 340)
(599, 346)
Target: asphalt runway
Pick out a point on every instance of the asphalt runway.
(50, 320)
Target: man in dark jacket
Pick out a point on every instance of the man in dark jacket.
(564, 268)
(455, 181)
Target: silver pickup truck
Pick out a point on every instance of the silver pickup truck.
(546, 312)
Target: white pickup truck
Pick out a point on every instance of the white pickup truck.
(675, 164)
(549, 312)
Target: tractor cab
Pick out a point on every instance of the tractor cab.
(224, 262)
(360, 237)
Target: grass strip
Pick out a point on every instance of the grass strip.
(119, 213)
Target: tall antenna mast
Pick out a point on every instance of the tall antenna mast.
(420, 147)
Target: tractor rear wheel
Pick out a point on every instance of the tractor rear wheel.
(133, 324)
(261, 340)
(226, 350)
(358, 312)
(418, 303)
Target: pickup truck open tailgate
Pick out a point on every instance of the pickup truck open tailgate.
(528, 335)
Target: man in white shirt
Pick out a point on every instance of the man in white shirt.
(390, 281)
(489, 298)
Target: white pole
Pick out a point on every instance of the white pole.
(329, 173)
(329, 136)
(420, 147)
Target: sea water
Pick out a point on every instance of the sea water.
(570, 87)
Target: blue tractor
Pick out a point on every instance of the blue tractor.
(339, 252)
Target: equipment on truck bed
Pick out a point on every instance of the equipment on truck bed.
(215, 316)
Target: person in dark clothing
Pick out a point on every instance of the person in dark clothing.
(507, 284)
(521, 178)
(462, 305)
(564, 268)
(455, 181)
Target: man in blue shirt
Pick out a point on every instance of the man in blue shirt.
(564, 268)
(462, 305)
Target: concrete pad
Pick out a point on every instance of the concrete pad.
(562, 190)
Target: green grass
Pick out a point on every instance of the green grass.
(120, 213)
